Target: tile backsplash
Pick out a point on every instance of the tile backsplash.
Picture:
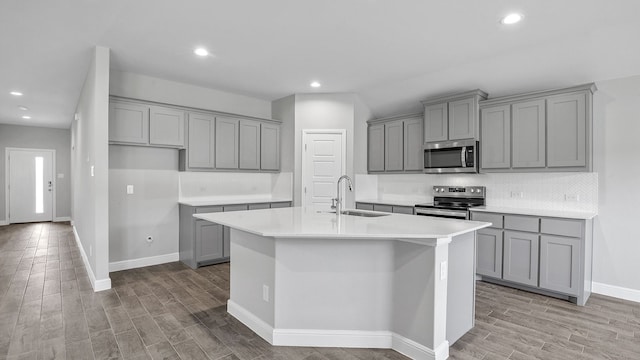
(549, 191)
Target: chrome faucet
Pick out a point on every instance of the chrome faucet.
(336, 203)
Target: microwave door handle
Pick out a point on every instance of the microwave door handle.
(463, 156)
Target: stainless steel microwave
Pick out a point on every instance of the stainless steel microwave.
(444, 157)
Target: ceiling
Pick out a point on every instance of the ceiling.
(391, 53)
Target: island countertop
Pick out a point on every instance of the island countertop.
(301, 222)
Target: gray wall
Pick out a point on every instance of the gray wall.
(284, 110)
(30, 137)
(90, 194)
(362, 114)
(152, 210)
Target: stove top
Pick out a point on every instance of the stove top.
(456, 197)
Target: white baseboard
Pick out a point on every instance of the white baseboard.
(336, 338)
(62, 219)
(3, 222)
(98, 285)
(142, 262)
(615, 291)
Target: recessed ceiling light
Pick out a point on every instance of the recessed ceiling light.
(315, 84)
(16, 93)
(26, 117)
(511, 19)
(23, 108)
(201, 52)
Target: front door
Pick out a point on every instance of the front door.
(30, 185)
(324, 162)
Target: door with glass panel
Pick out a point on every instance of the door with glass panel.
(30, 185)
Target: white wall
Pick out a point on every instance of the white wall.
(616, 235)
(362, 114)
(32, 137)
(143, 87)
(284, 110)
(90, 192)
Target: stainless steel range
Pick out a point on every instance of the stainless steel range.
(453, 201)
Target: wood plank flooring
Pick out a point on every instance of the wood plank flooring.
(49, 311)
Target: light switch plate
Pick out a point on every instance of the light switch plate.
(129, 189)
(443, 270)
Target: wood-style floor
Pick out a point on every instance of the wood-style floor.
(49, 311)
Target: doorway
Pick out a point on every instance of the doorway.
(323, 162)
(30, 185)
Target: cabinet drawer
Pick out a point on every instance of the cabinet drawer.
(403, 210)
(235, 208)
(364, 206)
(283, 204)
(561, 227)
(208, 209)
(494, 219)
(521, 223)
(383, 208)
(259, 206)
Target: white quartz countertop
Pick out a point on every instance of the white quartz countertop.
(411, 202)
(584, 215)
(230, 200)
(299, 222)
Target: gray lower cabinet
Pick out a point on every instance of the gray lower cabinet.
(396, 209)
(560, 264)
(209, 241)
(489, 252)
(520, 257)
(364, 206)
(166, 127)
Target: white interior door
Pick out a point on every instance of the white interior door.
(30, 185)
(323, 163)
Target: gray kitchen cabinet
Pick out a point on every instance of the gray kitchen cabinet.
(364, 206)
(413, 156)
(226, 143)
(227, 230)
(489, 252)
(375, 148)
(383, 208)
(452, 117)
(528, 134)
(259, 206)
(128, 123)
(249, 153)
(209, 241)
(269, 147)
(281, 204)
(566, 131)
(560, 264)
(495, 132)
(402, 210)
(201, 134)
(166, 126)
(436, 126)
(520, 257)
(394, 145)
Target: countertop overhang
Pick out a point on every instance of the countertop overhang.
(301, 222)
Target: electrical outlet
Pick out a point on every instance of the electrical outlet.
(265, 293)
(443, 270)
(129, 189)
(571, 197)
(517, 194)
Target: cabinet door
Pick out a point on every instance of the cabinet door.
(383, 208)
(566, 131)
(560, 264)
(495, 137)
(226, 234)
(375, 144)
(413, 156)
(209, 238)
(402, 210)
(489, 253)
(436, 122)
(226, 145)
(528, 127)
(393, 146)
(462, 119)
(364, 206)
(269, 146)
(249, 145)
(128, 123)
(200, 150)
(520, 257)
(166, 127)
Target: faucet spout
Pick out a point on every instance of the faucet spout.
(338, 199)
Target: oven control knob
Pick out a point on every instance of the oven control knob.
(473, 190)
(478, 191)
(437, 190)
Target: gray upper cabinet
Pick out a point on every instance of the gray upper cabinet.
(166, 127)
(495, 132)
(226, 143)
(566, 131)
(269, 147)
(452, 117)
(413, 158)
(201, 134)
(128, 123)
(249, 145)
(375, 145)
(520, 257)
(528, 134)
(394, 145)
(436, 122)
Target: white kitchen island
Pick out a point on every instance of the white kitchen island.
(303, 278)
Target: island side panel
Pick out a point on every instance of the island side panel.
(461, 286)
(252, 268)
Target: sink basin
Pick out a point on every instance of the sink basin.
(362, 213)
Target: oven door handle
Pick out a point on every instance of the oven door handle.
(457, 214)
(463, 156)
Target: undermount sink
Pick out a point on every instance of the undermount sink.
(358, 213)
